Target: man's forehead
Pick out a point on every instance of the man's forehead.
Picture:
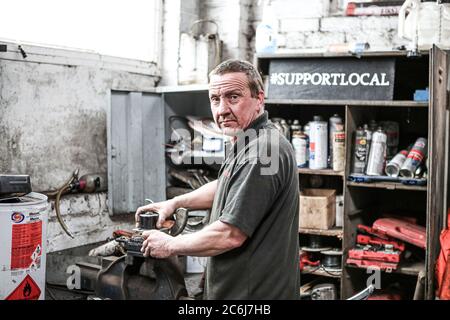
(228, 81)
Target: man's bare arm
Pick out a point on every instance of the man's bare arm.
(214, 239)
(202, 198)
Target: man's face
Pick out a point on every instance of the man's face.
(232, 104)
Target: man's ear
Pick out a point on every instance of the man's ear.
(260, 98)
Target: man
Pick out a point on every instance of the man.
(252, 238)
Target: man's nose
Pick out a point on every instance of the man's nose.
(223, 107)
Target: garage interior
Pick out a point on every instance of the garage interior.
(88, 136)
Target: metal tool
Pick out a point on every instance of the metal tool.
(364, 294)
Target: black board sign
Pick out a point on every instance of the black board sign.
(332, 79)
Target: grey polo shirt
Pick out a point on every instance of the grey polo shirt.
(258, 192)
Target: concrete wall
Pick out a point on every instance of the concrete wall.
(53, 118)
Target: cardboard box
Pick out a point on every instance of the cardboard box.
(317, 208)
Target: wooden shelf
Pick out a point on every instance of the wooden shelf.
(387, 185)
(410, 269)
(335, 232)
(319, 271)
(324, 172)
(370, 103)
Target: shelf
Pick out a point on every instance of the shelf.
(336, 232)
(328, 54)
(370, 103)
(324, 172)
(319, 271)
(386, 185)
(410, 269)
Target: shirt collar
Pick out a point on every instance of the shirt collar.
(259, 122)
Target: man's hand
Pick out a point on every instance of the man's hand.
(156, 244)
(165, 210)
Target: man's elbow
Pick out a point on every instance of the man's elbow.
(236, 239)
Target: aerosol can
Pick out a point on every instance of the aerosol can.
(318, 144)
(415, 157)
(377, 156)
(338, 147)
(333, 122)
(368, 133)
(393, 167)
(359, 152)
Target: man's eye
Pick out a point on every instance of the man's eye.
(234, 97)
(214, 100)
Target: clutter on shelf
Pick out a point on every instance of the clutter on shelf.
(320, 145)
(383, 245)
(376, 156)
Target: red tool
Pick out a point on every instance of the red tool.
(403, 230)
(368, 240)
(385, 255)
(370, 231)
(304, 261)
(385, 266)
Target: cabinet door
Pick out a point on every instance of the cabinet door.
(136, 163)
(438, 160)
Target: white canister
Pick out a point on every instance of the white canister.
(339, 211)
(318, 144)
(23, 238)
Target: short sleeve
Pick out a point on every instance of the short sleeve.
(250, 197)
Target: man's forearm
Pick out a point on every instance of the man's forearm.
(212, 240)
(199, 199)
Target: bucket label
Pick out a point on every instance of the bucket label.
(26, 290)
(26, 249)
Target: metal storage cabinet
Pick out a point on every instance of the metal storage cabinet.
(138, 128)
(363, 202)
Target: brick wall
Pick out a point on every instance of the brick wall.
(303, 26)
(314, 25)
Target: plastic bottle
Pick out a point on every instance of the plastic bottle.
(266, 32)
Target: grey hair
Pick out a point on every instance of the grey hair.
(255, 82)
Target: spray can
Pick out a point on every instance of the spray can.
(360, 152)
(338, 147)
(318, 144)
(377, 157)
(300, 144)
(333, 122)
(368, 133)
(415, 158)
(393, 167)
(392, 130)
